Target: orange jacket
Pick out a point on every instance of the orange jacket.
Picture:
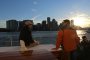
(69, 39)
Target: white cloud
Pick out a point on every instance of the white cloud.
(35, 2)
(33, 10)
(80, 15)
(34, 18)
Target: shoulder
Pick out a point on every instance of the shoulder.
(72, 29)
(60, 31)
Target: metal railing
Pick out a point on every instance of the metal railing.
(9, 40)
(14, 41)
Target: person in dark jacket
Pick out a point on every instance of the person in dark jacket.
(25, 37)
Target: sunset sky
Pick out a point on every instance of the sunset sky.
(38, 10)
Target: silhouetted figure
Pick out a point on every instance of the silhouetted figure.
(85, 49)
(84, 42)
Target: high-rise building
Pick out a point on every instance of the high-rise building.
(60, 26)
(12, 25)
(48, 23)
(48, 20)
(72, 23)
(54, 24)
(44, 25)
(39, 26)
(20, 25)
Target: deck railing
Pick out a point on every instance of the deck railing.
(13, 40)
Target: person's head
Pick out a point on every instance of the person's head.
(84, 38)
(66, 23)
(28, 24)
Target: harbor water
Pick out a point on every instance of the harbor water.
(44, 37)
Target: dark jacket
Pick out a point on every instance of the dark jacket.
(26, 36)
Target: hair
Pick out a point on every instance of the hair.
(27, 22)
(66, 21)
(84, 37)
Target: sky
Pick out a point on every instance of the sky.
(39, 10)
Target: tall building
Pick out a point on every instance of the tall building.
(39, 26)
(48, 23)
(44, 26)
(60, 26)
(12, 25)
(20, 25)
(54, 25)
(48, 20)
(72, 23)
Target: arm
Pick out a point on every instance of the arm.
(59, 39)
(77, 38)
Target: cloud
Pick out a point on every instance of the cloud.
(34, 10)
(34, 18)
(35, 2)
(79, 14)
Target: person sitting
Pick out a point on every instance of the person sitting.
(84, 49)
(84, 42)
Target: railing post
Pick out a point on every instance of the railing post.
(11, 40)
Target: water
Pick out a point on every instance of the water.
(83, 33)
(44, 37)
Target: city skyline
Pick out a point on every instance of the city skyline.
(38, 10)
(3, 23)
(45, 25)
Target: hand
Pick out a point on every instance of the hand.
(54, 49)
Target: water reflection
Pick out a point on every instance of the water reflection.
(83, 33)
(45, 37)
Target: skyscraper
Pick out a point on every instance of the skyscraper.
(54, 25)
(48, 23)
(12, 25)
(72, 23)
(38, 26)
(48, 20)
(44, 25)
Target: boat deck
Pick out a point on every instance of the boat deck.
(40, 52)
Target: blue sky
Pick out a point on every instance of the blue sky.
(39, 10)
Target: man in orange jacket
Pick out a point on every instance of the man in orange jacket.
(68, 39)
